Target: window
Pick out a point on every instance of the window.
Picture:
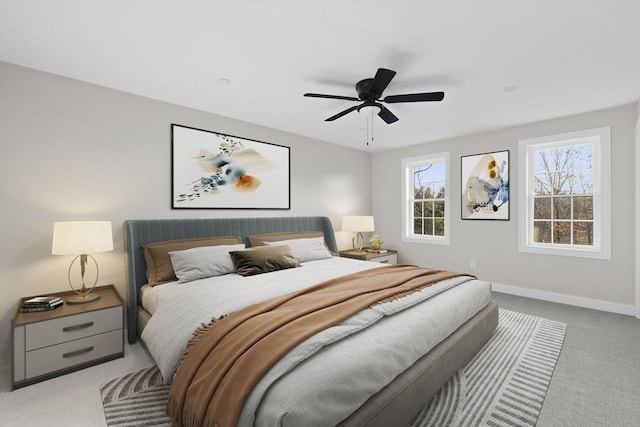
(565, 194)
(426, 199)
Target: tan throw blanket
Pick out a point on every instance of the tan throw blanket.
(227, 358)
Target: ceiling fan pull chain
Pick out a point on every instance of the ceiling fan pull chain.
(367, 141)
(366, 138)
(372, 125)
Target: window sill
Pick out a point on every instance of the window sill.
(566, 251)
(427, 240)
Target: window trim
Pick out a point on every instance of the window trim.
(407, 193)
(601, 193)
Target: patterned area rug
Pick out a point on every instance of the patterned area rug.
(504, 385)
(137, 399)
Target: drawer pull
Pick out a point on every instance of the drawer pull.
(77, 352)
(384, 262)
(76, 327)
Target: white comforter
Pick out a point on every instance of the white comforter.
(371, 357)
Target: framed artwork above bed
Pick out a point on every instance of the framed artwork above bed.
(485, 186)
(212, 170)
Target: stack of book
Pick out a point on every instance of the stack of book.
(40, 304)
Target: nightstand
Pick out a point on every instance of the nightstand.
(388, 257)
(52, 343)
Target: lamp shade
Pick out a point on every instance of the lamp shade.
(81, 237)
(357, 223)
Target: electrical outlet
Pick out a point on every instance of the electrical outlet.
(472, 264)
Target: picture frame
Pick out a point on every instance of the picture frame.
(213, 170)
(485, 186)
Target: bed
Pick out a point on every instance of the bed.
(399, 400)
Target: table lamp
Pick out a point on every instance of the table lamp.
(82, 238)
(357, 224)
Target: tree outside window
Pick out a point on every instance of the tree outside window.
(428, 199)
(426, 192)
(565, 194)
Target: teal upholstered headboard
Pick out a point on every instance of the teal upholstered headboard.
(138, 232)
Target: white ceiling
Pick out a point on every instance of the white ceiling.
(564, 57)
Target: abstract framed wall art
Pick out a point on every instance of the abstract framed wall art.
(212, 170)
(485, 186)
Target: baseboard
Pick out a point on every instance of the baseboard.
(595, 304)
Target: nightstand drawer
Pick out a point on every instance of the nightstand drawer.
(387, 259)
(61, 356)
(63, 329)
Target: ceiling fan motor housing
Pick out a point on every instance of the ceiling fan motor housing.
(362, 87)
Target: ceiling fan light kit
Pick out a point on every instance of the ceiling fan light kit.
(370, 109)
(370, 91)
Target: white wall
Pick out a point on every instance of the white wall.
(75, 151)
(494, 244)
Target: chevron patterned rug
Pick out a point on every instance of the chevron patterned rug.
(503, 385)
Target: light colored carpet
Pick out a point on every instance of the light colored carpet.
(503, 385)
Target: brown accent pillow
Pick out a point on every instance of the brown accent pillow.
(259, 239)
(263, 259)
(156, 255)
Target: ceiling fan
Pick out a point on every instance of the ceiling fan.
(369, 92)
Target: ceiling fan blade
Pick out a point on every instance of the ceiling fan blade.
(342, 113)
(387, 115)
(415, 97)
(320, 95)
(381, 81)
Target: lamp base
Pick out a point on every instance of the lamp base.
(358, 241)
(81, 299)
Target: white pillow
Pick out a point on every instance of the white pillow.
(306, 249)
(204, 261)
